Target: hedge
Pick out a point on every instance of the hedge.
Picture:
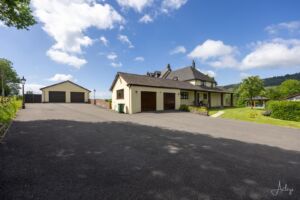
(8, 109)
(286, 110)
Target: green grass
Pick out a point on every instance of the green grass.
(253, 115)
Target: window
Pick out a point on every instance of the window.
(120, 94)
(204, 96)
(184, 95)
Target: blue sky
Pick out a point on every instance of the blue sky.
(89, 41)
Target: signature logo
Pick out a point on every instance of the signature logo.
(281, 189)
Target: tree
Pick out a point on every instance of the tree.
(251, 87)
(289, 87)
(272, 93)
(16, 13)
(9, 80)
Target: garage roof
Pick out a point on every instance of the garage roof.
(143, 80)
(63, 83)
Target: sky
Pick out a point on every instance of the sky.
(89, 41)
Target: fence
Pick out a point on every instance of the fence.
(101, 102)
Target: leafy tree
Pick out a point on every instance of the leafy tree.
(289, 87)
(9, 80)
(250, 87)
(272, 93)
(16, 13)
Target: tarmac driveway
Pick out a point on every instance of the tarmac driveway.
(78, 151)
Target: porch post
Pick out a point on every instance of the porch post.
(209, 99)
(222, 97)
(195, 98)
(231, 99)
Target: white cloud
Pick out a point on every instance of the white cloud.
(172, 4)
(124, 39)
(104, 41)
(291, 27)
(66, 22)
(112, 56)
(2, 24)
(139, 58)
(146, 19)
(65, 58)
(137, 5)
(215, 53)
(32, 87)
(115, 64)
(274, 53)
(208, 72)
(244, 75)
(61, 77)
(178, 49)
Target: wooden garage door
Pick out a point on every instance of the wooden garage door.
(77, 97)
(57, 97)
(169, 101)
(148, 101)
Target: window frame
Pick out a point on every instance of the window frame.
(184, 95)
(120, 95)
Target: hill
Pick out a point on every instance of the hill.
(272, 81)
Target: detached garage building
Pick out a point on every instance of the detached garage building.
(65, 92)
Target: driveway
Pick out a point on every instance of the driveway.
(78, 151)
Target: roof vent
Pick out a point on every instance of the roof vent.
(175, 78)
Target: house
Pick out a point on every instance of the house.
(295, 97)
(167, 90)
(257, 101)
(65, 92)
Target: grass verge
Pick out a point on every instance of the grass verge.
(253, 115)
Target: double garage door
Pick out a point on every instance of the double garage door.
(60, 97)
(148, 101)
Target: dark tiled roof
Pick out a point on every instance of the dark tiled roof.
(147, 81)
(64, 82)
(189, 73)
(259, 98)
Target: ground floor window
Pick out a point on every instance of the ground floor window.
(205, 96)
(184, 95)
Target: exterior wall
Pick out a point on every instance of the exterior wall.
(190, 100)
(100, 102)
(64, 87)
(121, 84)
(215, 99)
(201, 97)
(135, 97)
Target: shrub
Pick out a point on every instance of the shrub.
(198, 110)
(286, 110)
(8, 109)
(253, 114)
(184, 108)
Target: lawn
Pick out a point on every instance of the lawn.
(253, 115)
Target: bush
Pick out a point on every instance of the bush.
(286, 110)
(184, 108)
(198, 110)
(8, 109)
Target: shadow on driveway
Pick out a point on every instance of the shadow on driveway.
(58, 159)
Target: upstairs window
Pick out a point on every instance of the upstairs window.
(184, 95)
(120, 94)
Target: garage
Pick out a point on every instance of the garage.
(77, 97)
(65, 92)
(169, 101)
(148, 101)
(57, 97)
